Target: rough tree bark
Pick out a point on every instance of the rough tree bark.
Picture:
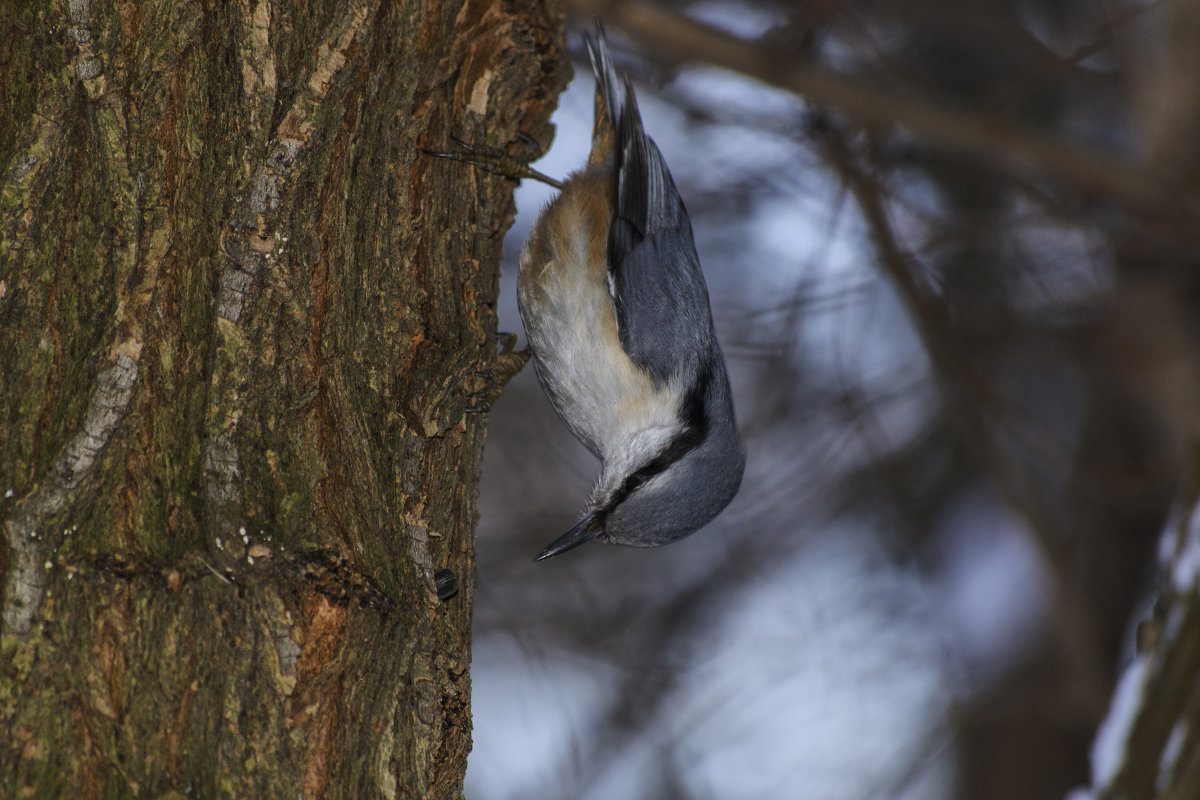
(243, 326)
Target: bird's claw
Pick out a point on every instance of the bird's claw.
(509, 361)
(496, 160)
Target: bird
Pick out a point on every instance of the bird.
(616, 313)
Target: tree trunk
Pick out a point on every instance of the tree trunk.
(244, 328)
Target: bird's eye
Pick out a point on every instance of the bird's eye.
(634, 482)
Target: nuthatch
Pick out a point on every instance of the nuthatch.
(616, 312)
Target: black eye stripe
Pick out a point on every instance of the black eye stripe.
(695, 427)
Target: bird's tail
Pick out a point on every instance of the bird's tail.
(610, 96)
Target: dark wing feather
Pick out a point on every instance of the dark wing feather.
(663, 315)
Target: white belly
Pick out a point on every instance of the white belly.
(603, 397)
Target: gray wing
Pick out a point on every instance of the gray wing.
(663, 315)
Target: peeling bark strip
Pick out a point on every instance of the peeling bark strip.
(25, 582)
(241, 320)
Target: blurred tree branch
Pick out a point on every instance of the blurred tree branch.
(672, 37)
(1149, 748)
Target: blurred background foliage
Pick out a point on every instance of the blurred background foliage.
(950, 247)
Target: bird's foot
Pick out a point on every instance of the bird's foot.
(497, 161)
(509, 361)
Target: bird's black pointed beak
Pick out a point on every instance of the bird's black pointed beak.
(584, 531)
